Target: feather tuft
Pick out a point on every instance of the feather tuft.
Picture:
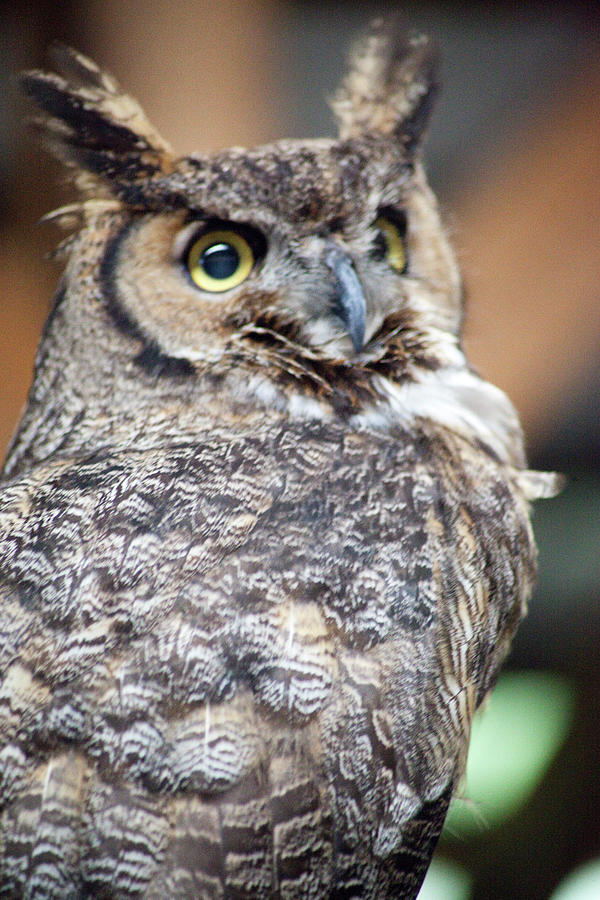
(391, 85)
(92, 125)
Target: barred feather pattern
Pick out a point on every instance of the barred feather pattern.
(258, 690)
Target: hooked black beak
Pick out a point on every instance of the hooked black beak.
(351, 303)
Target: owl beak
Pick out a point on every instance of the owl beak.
(351, 305)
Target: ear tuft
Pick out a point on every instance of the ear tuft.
(92, 125)
(390, 87)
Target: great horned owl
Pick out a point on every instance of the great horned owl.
(265, 535)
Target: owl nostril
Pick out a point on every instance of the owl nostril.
(351, 305)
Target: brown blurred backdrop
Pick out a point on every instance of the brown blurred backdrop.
(515, 157)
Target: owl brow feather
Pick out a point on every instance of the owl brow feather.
(72, 214)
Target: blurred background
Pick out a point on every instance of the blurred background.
(514, 155)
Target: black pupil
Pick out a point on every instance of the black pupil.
(220, 261)
(380, 245)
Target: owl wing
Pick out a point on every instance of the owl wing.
(246, 667)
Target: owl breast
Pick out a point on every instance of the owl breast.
(276, 642)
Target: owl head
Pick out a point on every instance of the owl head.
(305, 275)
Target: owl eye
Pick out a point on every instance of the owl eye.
(220, 259)
(390, 241)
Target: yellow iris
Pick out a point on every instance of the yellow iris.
(395, 251)
(220, 260)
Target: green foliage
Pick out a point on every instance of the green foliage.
(446, 881)
(514, 739)
(583, 884)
